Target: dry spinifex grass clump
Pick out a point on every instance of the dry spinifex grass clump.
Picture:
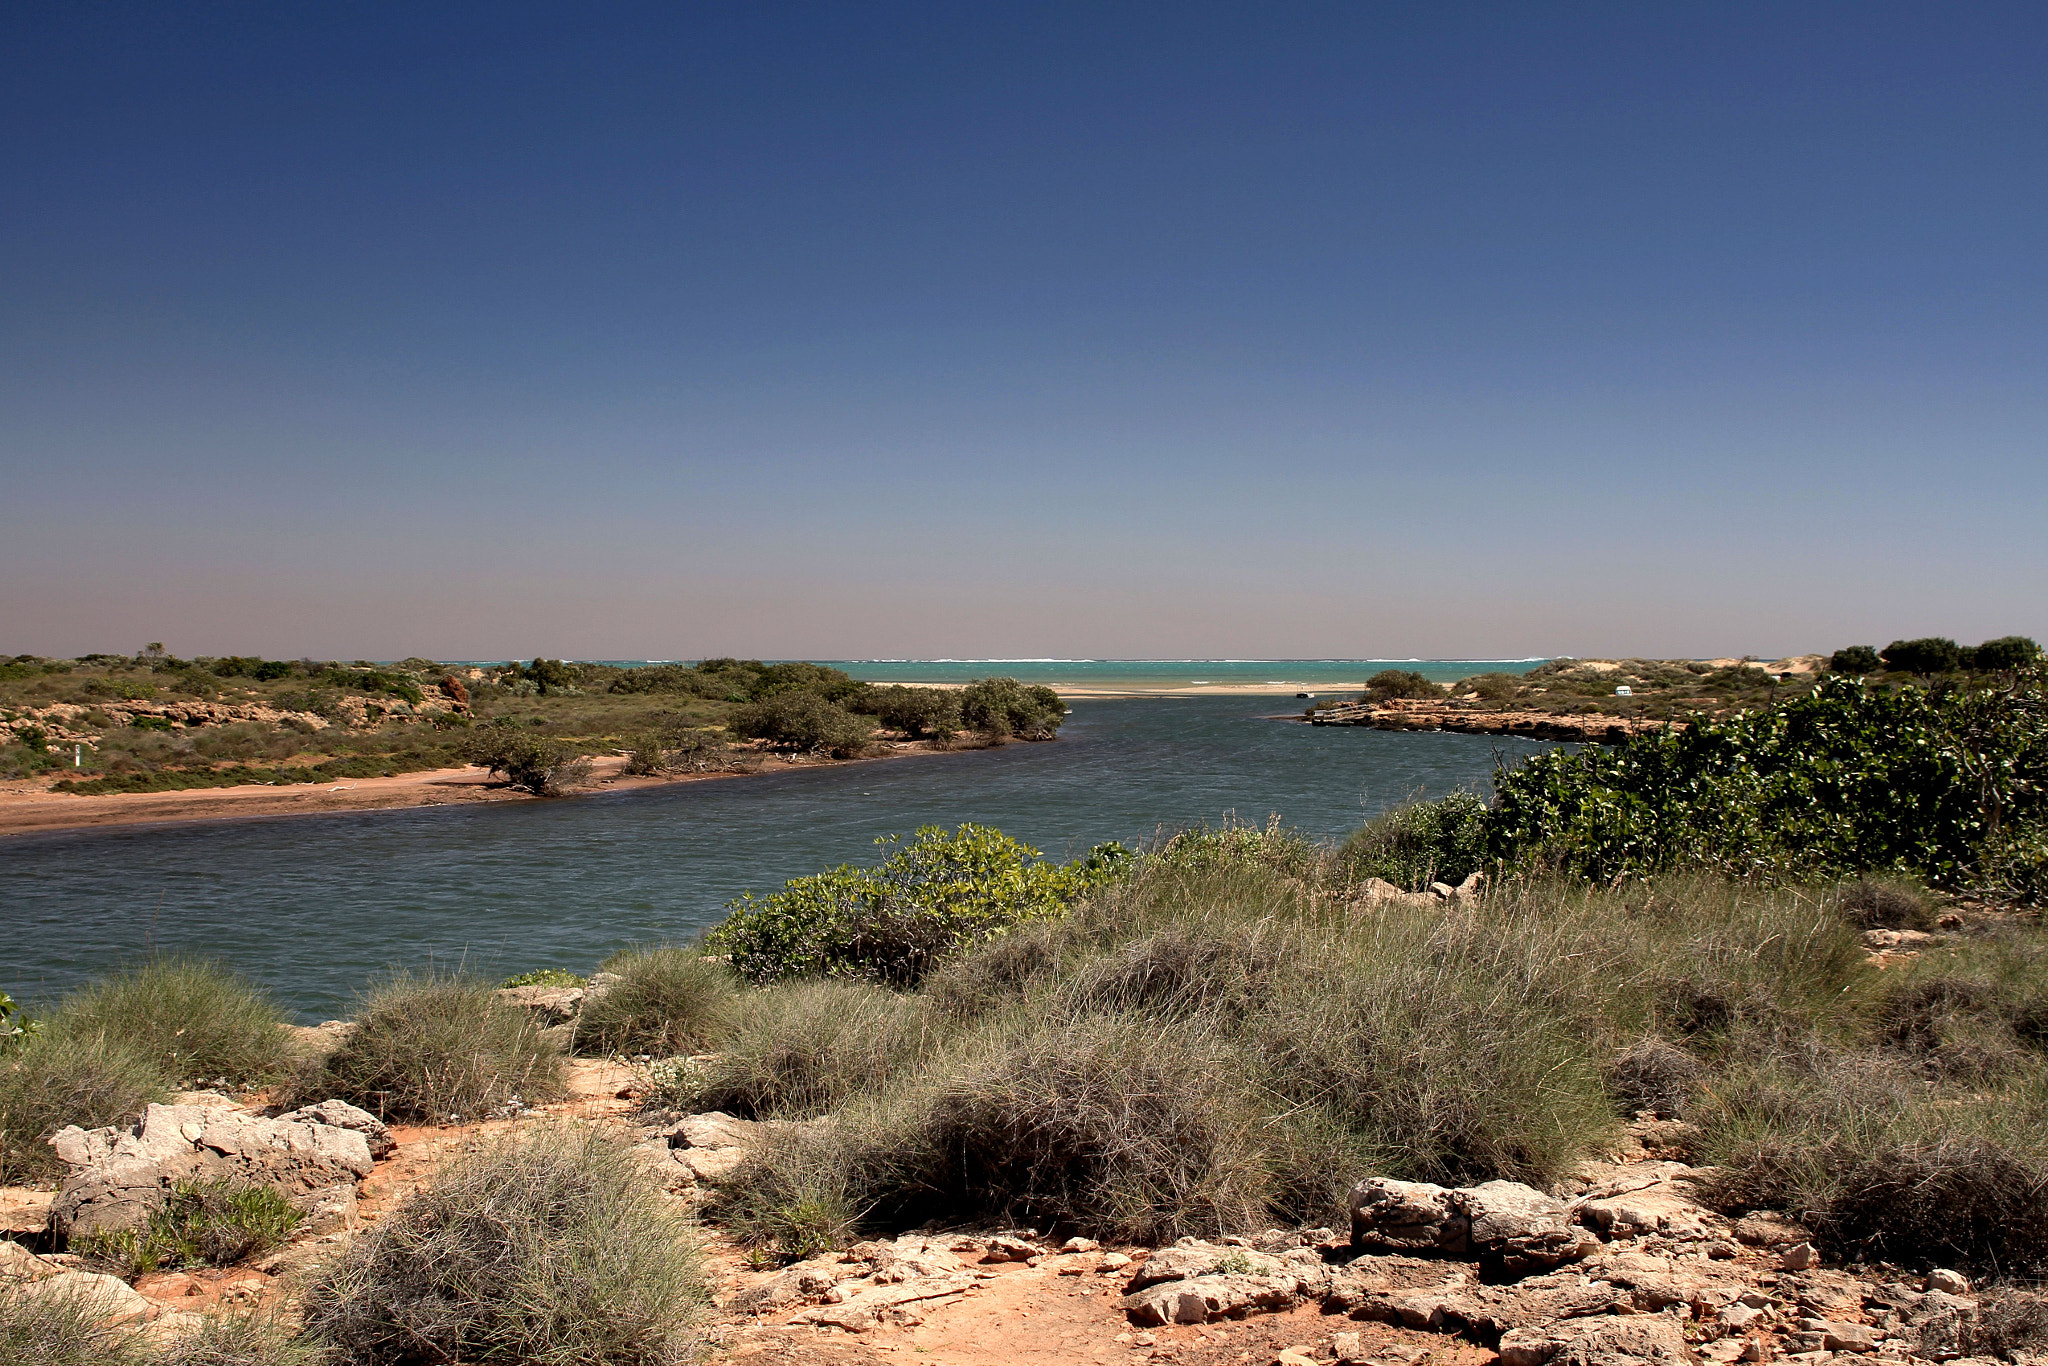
(550, 1247)
(435, 1049)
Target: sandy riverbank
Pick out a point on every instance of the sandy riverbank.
(26, 808)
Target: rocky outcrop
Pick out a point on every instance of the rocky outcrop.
(1517, 1225)
(119, 1176)
(339, 1114)
(1426, 714)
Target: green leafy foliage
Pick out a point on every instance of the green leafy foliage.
(1391, 683)
(200, 1223)
(1855, 660)
(535, 763)
(803, 721)
(1422, 842)
(1927, 655)
(933, 896)
(544, 977)
(1003, 706)
(921, 713)
(1949, 784)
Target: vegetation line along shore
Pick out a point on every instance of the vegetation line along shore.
(155, 723)
(1800, 947)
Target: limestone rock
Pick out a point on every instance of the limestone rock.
(119, 1176)
(17, 1263)
(548, 1005)
(1642, 1338)
(340, 1114)
(1407, 1216)
(1202, 1298)
(111, 1299)
(1948, 1282)
(1518, 1224)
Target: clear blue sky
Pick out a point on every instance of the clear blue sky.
(1021, 330)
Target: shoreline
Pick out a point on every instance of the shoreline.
(35, 812)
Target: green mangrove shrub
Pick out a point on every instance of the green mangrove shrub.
(933, 896)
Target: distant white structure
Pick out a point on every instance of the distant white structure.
(1621, 690)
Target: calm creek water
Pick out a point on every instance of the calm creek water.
(315, 906)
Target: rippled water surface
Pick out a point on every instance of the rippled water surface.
(313, 906)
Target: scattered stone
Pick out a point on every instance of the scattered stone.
(1799, 1257)
(111, 1299)
(1113, 1261)
(1079, 1245)
(1848, 1337)
(17, 1263)
(1768, 1230)
(1948, 1282)
(342, 1115)
(1598, 1342)
(1348, 1349)
(1004, 1248)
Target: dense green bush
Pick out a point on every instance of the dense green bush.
(1419, 843)
(1388, 684)
(538, 765)
(1003, 706)
(201, 1223)
(68, 1077)
(1927, 655)
(550, 1248)
(2005, 653)
(429, 1048)
(921, 713)
(932, 897)
(804, 721)
(1855, 660)
(1949, 784)
(196, 1020)
(668, 1000)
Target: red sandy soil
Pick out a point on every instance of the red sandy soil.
(27, 806)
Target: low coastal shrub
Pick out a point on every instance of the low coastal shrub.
(60, 1329)
(1419, 843)
(1389, 684)
(550, 1247)
(668, 1000)
(933, 896)
(1229, 1038)
(201, 1223)
(1003, 706)
(920, 713)
(533, 763)
(431, 1048)
(69, 1077)
(1886, 903)
(195, 1019)
(803, 721)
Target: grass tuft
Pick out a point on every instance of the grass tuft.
(49, 1329)
(669, 1000)
(195, 1019)
(67, 1077)
(429, 1048)
(550, 1248)
(243, 1340)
